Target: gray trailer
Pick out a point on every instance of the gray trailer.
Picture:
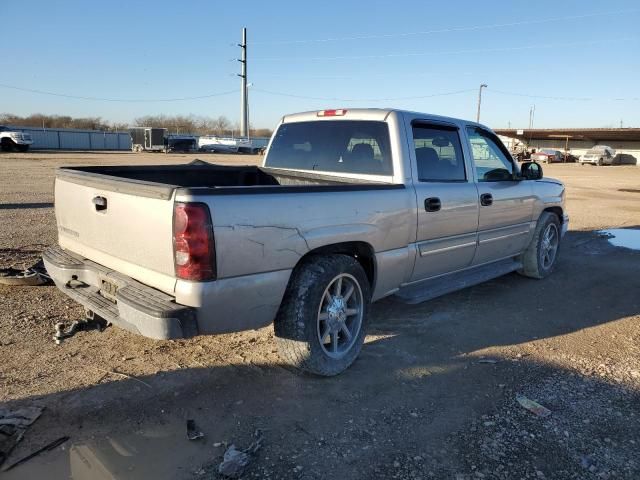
(147, 139)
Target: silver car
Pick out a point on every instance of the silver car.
(599, 155)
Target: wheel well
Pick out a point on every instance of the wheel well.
(361, 251)
(557, 211)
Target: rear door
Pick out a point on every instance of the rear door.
(447, 200)
(506, 204)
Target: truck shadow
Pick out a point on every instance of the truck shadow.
(417, 390)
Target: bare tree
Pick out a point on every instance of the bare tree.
(184, 124)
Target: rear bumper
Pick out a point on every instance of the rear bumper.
(133, 306)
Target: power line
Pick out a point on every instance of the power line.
(121, 100)
(305, 97)
(415, 97)
(457, 92)
(367, 74)
(546, 97)
(451, 29)
(452, 52)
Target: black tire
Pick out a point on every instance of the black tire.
(600, 162)
(533, 259)
(23, 148)
(297, 324)
(7, 145)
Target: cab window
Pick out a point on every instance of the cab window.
(491, 162)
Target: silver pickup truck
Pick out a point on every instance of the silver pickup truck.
(349, 206)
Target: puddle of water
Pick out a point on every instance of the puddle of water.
(154, 452)
(623, 237)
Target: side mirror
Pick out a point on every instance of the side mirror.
(530, 171)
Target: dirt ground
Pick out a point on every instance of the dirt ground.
(433, 394)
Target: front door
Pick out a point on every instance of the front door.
(506, 204)
(447, 201)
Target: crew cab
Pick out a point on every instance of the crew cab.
(12, 139)
(348, 207)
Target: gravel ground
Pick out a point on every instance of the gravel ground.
(433, 394)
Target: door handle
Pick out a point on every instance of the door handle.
(432, 204)
(486, 199)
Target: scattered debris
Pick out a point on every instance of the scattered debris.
(124, 375)
(13, 425)
(14, 277)
(235, 461)
(34, 275)
(192, 431)
(533, 407)
(46, 448)
(488, 360)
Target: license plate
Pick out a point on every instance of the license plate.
(109, 290)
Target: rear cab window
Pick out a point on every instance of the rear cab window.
(343, 146)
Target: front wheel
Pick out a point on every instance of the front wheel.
(6, 145)
(600, 162)
(539, 259)
(320, 327)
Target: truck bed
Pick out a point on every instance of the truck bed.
(159, 181)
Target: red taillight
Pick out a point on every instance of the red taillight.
(332, 113)
(193, 246)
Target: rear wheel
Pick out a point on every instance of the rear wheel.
(320, 327)
(539, 259)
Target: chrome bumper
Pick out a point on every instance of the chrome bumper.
(119, 299)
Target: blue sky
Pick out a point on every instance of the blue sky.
(160, 50)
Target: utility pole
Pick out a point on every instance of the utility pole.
(532, 112)
(244, 111)
(484, 85)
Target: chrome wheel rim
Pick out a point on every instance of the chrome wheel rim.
(340, 316)
(549, 246)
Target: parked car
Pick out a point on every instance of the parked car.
(341, 213)
(12, 139)
(547, 155)
(599, 155)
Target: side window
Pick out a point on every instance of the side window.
(492, 165)
(438, 154)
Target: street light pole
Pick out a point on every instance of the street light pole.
(484, 85)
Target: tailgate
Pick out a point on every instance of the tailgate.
(109, 223)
